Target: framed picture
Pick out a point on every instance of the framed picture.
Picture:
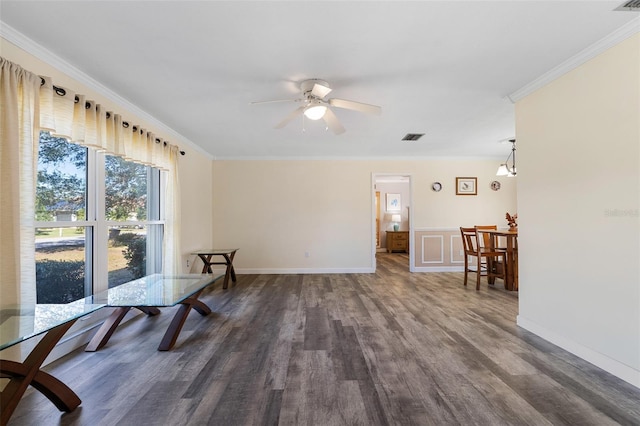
(393, 202)
(466, 186)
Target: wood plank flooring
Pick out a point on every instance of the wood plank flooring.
(390, 348)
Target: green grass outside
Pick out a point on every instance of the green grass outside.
(59, 232)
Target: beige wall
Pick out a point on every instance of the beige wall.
(196, 187)
(579, 200)
(276, 211)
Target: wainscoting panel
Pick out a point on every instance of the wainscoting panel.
(438, 250)
(433, 249)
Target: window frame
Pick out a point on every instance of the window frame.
(97, 226)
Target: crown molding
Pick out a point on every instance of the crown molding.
(616, 37)
(417, 158)
(20, 40)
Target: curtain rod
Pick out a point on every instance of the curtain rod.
(61, 92)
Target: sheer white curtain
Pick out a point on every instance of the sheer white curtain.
(19, 134)
(29, 103)
(171, 249)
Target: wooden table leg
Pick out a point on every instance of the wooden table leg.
(106, 330)
(171, 335)
(28, 373)
(233, 270)
(149, 310)
(206, 260)
(509, 263)
(491, 279)
(230, 272)
(56, 391)
(515, 269)
(228, 261)
(110, 324)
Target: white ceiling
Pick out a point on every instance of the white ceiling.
(443, 68)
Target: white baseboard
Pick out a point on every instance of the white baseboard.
(305, 271)
(334, 270)
(439, 269)
(618, 369)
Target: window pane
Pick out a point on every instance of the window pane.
(62, 180)
(60, 264)
(127, 254)
(125, 190)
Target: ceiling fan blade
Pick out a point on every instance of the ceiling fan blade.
(356, 106)
(320, 91)
(290, 117)
(332, 122)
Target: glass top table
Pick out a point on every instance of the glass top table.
(158, 290)
(227, 254)
(19, 323)
(149, 293)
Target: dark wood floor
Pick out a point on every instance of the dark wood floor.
(390, 348)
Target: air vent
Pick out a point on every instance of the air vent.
(412, 136)
(630, 6)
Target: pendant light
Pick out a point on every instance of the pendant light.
(504, 169)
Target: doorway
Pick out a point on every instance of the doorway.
(392, 200)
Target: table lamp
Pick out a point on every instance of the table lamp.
(396, 219)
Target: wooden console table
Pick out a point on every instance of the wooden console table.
(150, 293)
(19, 323)
(227, 254)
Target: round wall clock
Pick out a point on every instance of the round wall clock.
(495, 185)
(436, 186)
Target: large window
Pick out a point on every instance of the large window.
(98, 221)
(132, 211)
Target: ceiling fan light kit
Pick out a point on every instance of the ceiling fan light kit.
(315, 111)
(316, 107)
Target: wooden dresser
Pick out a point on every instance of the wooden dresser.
(397, 241)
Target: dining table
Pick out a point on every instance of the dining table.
(506, 239)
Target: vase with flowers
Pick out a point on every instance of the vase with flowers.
(512, 221)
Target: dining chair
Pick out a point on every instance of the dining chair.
(488, 259)
(491, 241)
(486, 238)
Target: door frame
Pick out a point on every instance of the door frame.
(377, 219)
(374, 177)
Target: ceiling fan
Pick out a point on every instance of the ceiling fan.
(315, 106)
